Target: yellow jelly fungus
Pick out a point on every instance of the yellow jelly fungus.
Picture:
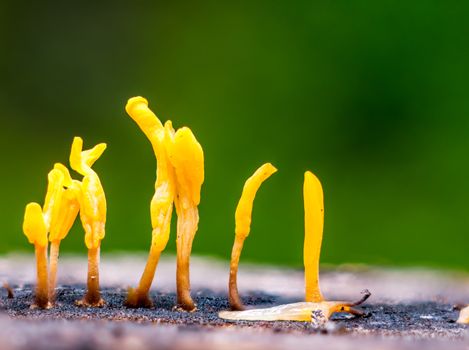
(187, 157)
(161, 206)
(64, 214)
(243, 225)
(179, 177)
(92, 201)
(317, 313)
(464, 315)
(35, 229)
(314, 223)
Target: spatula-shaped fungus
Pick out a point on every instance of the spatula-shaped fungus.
(35, 229)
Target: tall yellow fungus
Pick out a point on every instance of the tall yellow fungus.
(161, 206)
(187, 157)
(243, 216)
(92, 203)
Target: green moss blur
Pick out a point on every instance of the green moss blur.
(372, 96)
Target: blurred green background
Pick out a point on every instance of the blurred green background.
(372, 96)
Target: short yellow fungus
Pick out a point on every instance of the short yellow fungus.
(35, 229)
(161, 206)
(243, 226)
(92, 201)
(187, 157)
(315, 309)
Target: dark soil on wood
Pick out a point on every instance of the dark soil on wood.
(425, 319)
(409, 308)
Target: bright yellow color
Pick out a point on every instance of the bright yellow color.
(187, 157)
(179, 177)
(162, 202)
(243, 216)
(67, 179)
(244, 209)
(66, 205)
(314, 309)
(137, 109)
(161, 206)
(314, 225)
(91, 197)
(34, 225)
(55, 180)
(67, 213)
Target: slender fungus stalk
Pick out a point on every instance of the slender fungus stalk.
(161, 207)
(61, 223)
(52, 204)
(243, 226)
(35, 229)
(187, 157)
(314, 224)
(54, 259)
(315, 309)
(92, 203)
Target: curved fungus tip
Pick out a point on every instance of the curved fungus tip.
(89, 157)
(134, 102)
(75, 155)
(82, 160)
(67, 179)
(243, 218)
(244, 208)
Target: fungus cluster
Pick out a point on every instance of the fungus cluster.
(314, 309)
(65, 198)
(179, 178)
